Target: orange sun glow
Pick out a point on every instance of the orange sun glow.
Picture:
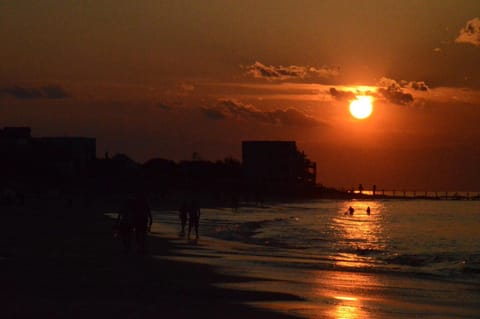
(361, 107)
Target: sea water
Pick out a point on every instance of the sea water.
(406, 258)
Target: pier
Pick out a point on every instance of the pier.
(412, 194)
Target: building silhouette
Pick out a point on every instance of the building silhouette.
(276, 163)
(22, 155)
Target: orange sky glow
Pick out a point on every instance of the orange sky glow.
(166, 79)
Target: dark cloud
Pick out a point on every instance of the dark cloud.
(396, 96)
(44, 92)
(293, 117)
(293, 72)
(394, 91)
(23, 93)
(418, 85)
(226, 109)
(213, 113)
(54, 92)
(342, 95)
(163, 106)
(470, 33)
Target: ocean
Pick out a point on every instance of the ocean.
(407, 258)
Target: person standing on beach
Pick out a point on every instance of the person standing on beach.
(193, 218)
(125, 223)
(142, 220)
(182, 215)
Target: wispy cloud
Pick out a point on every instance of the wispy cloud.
(470, 33)
(325, 71)
(232, 109)
(259, 70)
(43, 92)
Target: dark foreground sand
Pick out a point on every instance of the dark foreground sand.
(58, 262)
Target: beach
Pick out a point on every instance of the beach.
(257, 262)
(63, 262)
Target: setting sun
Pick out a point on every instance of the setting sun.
(361, 107)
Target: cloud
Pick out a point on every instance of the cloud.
(259, 70)
(342, 95)
(44, 92)
(163, 106)
(54, 92)
(470, 33)
(228, 109)
(393, 91)
(214, 113)
(325, 71)
(293, 117)
(418, 85)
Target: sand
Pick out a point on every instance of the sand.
(60, 262)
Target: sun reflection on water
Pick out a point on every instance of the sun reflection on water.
(347, 312)
(347, 307)
(347, 293)
(360, 234)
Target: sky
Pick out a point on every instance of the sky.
(165, 79)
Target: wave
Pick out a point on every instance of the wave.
(240, 231)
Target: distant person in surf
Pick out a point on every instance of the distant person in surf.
(351, 210)
(368, 210)
(193, 218)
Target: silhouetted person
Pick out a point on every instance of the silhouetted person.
(193, 218)
(182, 215)
(368, 210)
(134, 215)
(142, 220)
(351, 210)
(125, 222)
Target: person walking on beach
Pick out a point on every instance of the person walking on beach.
(182, 215)
(193, 218)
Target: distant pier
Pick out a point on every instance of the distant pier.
(404, 194)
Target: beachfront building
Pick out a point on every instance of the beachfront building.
(22, 154)
(277, 163)
(66, 155)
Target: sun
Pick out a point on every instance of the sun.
(361, 107)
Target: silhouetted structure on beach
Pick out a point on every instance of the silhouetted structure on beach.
(276, 165)
(26, 158)
(67, 166)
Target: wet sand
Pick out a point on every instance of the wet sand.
(59, 262)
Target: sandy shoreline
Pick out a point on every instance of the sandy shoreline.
(58, 262)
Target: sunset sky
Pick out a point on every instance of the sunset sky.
(165, 79)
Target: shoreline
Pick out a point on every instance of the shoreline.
(61, 262)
